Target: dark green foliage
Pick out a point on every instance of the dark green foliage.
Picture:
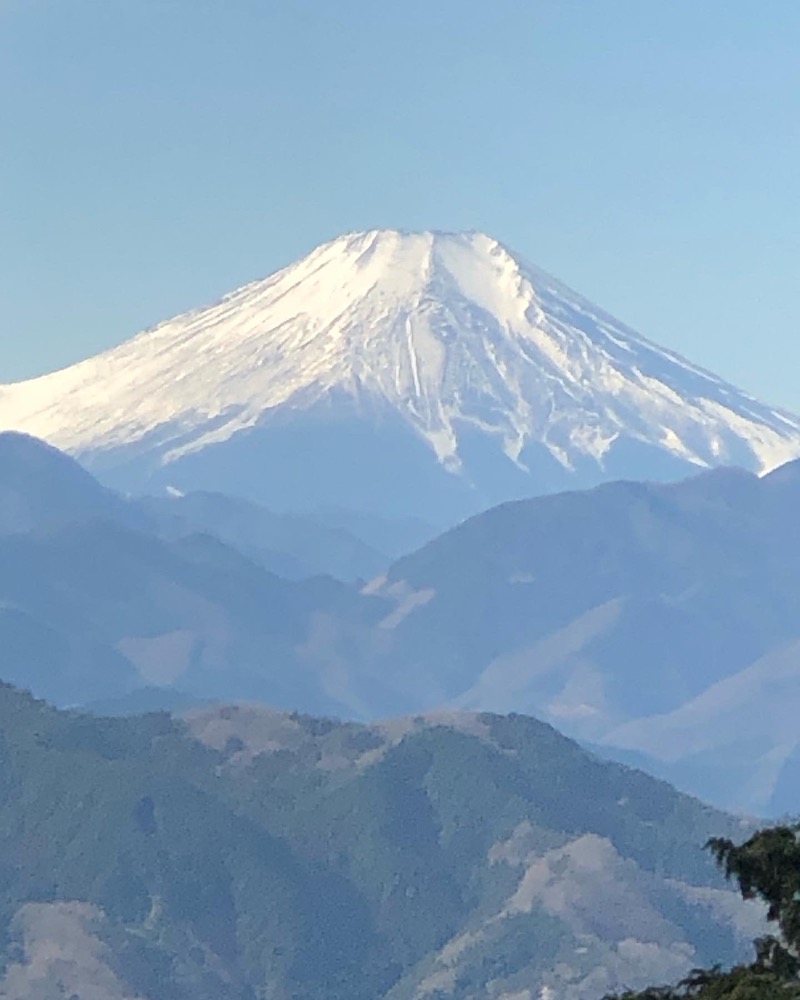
(330, 867)
(766, 867)
(115, 812)
(740, 983)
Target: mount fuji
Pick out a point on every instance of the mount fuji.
(402, 373)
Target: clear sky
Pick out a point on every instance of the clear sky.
(155, 154)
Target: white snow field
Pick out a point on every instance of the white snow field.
(449, 334)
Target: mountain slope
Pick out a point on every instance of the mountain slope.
(103, 596)
(41, 488)
(95, 610)
(244, 853)
(657, 620)
(438, 361)
(662, 619)
(291, 545)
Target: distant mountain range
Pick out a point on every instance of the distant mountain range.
(114, 595)
(42, 489)
(245, 853)
(660, 619)
(398, 373)
(657, 622)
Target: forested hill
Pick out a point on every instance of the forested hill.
(242, 853)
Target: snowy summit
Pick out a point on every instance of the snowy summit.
(438, 358)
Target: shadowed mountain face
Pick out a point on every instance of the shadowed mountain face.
(292, 545)
(244, 852)
(658, 622)
(432, 374)
(658, 619)
(96, 610)
(101, 596)
(42, 488)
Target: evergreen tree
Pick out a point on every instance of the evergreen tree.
(766, 867)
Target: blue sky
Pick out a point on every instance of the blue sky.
(154, 154)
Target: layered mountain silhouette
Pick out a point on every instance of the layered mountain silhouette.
(242, 852)
(662, 619)
(42, 489)
(430, 374)
(658, 622)
(102, 595)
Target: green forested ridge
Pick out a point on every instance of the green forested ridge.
(247, 854)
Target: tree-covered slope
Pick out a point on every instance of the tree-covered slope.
(243, 853)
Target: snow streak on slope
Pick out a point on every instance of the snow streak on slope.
(449, 331)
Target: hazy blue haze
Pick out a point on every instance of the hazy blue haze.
(156, 153)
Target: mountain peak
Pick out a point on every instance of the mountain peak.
(40, 488)
(500, 374)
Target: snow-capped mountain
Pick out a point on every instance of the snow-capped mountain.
(411, 372)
